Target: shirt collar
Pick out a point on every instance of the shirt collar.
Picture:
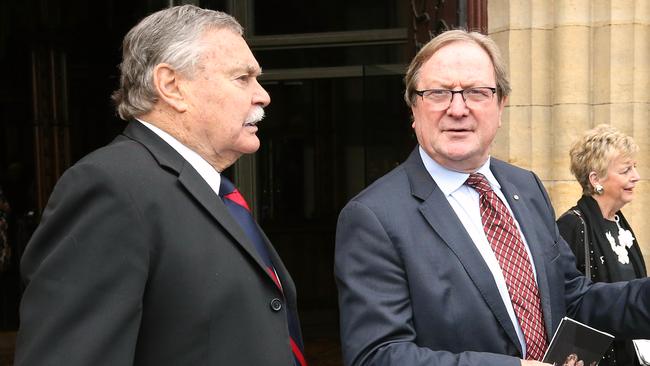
(450, 180)
(207, 171)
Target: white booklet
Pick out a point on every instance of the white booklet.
(642, 348)
(577, 341)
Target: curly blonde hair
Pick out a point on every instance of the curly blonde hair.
(595, 150)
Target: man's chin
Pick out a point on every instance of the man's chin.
(251, 146)
(462, 160)
(458, 134)
(461, 151)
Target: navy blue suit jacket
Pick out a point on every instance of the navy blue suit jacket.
(414, 290)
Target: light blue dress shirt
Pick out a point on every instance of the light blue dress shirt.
(465, 202)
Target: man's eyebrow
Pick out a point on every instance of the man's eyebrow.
(252, 70)
(245, 70)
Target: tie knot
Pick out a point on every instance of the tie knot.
(226, 187)
(478, 182)
(228, 191)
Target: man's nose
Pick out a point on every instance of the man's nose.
(457, 106)
(261, 96)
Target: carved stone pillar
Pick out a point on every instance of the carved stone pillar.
(574, 64)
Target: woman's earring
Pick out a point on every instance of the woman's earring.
(599, 189)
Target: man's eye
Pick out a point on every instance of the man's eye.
(476, 92)
(438, 92)
(244, 78)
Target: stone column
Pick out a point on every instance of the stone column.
(574, 64)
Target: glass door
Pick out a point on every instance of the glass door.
(324, 139)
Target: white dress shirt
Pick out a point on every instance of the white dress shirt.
(205, 170)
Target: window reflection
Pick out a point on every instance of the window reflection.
(299, 16)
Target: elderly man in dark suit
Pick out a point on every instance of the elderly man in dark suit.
(146, 254)
(454, 258)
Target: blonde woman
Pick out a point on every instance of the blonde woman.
(606, 249)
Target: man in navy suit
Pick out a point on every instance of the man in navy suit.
(419, 280)
(138, 260)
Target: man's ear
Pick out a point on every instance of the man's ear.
(167, 83)
(502, 105)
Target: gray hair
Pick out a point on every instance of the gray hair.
(445, 38)
(168, 36)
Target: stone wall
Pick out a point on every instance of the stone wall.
(574, 64)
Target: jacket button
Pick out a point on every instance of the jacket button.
(276, 304)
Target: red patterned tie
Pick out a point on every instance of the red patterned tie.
(506, 242)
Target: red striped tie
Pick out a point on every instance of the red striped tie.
(240, 211)
(508, 246)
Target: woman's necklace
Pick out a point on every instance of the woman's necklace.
(625, 239)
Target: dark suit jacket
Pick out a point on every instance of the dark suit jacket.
(138, 262)
(414, 290)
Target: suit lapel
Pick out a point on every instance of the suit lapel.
(436, 210)
(206, 197)
(189, 178)
(525, 219)
(288, 287)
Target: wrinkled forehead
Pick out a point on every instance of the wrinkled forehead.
(229, 51)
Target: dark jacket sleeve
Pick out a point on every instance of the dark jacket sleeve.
(85, 270)
(571, 230)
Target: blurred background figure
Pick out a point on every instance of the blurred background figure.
(603, 161)
(9, 281)
(5, 249)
